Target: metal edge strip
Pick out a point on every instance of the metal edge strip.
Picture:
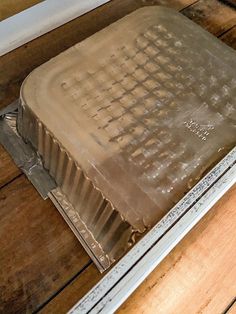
(77, 232)
(136, 265)
(23, 155)
(39, 19)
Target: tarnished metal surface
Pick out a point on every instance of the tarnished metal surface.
(89, 206)
(79, 228)
(127, 131)
(23, 155)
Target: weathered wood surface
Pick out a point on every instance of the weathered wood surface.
(174, 4)
(41, 262)
(232, 309)
(38, 252)
(11, 7)
(8, 170)
(230, 37)
(16, 65)
(199, 274)
(212, 15)
(73, 292)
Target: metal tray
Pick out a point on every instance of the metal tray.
(127, 121)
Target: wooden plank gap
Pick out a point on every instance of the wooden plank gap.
(230, 3)
(228, 30)
(230, 306)
(73, 278)
(189, 5)
(10, 181)
(229, 37)
(212, 15)
(40, 254)
(8, 170)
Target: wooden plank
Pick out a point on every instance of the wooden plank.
(232, 309)
(174, 4)
(212, 15)
(39, 253)
(11, 7)
(73, 292)
(230, 37)
(17, 64)
(8, 170)
(20, 63)
(41, 19)
(194, 276)
(199, 275)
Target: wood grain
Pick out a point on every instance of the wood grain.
(212, 15)
(232, 309)
(38, 254)
(230, 37)
(73, 292)
(11, 7)
(8, 170)
(198, 276)
(17, 64)
(174, 4)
